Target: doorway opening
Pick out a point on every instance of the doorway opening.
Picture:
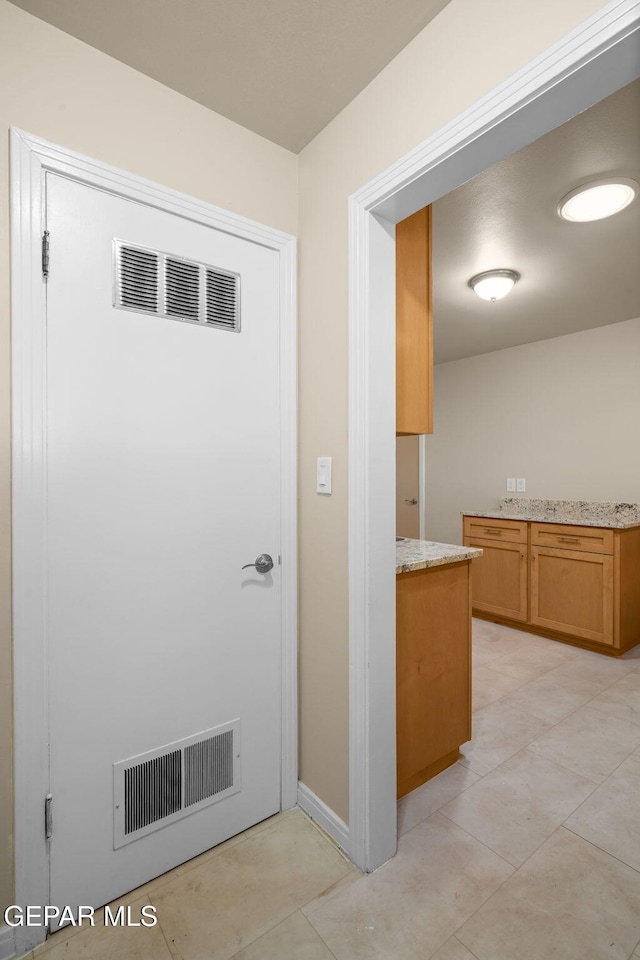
(588, 65)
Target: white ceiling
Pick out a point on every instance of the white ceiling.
(574, 276)
(282, 68)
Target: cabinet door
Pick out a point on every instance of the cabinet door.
(499, 582)
(414, 338)
(572, 592)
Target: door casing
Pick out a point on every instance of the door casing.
(588, 64)
(31, 159)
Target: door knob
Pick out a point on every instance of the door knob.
(263, 563)
(413, 500)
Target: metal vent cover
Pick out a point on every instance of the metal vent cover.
(154, 789)
(167, 285)
(138, 276)
(182, 289)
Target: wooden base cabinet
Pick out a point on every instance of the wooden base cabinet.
(433, 670)
(500, 575)
(574, 583)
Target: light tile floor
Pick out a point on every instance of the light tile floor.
(528, 848)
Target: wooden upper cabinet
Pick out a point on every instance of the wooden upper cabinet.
(414, 326)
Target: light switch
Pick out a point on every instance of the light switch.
(521, 484)
(511, 484)
(323, 475)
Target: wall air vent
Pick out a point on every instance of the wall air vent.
(167, 285)
(182, 289)
(137, 279)
(208, 768)
(157, 788)
(152, 791)
(223, 300)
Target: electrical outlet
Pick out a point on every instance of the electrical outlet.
(511, 484)
(521, 484)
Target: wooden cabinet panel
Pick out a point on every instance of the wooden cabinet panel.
(626, 578)
(513, 531)
(500, 578)
(581, 585)
(414, 336)
(433, 671)
(573, 592)
(565, 537)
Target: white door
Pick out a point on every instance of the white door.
(163, 481)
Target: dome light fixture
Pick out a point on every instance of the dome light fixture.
(494, 284)
(598, 199)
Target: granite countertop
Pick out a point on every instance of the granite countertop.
(420, 554)
(579, 513)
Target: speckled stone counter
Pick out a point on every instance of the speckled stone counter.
(581, 513)
(420, 554)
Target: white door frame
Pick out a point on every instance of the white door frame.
(588, 64)
(31, 159)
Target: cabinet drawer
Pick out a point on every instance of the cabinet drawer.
(565, 537)
(511, 531)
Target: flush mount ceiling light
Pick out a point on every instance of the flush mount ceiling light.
(597, 199)
(494, 284)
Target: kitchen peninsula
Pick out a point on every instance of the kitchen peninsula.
(433, 657)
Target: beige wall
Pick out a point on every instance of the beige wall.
(561, 413)
(60, 89)
(462, 55)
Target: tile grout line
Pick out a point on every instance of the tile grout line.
(498, 889)
(596, 846)
(164, 937)
(445, 802)
(483, 843)
(317, 932)
(597, 787)
(506, 880)
(566, 715)
(562, 825)
(456, 937)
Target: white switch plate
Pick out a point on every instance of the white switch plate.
(323, 475)
(511, 484)
(521, 484)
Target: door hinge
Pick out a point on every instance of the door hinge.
(48, 816)
(45, 254)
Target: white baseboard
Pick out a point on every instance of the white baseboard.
(7, 943)
(324, 817)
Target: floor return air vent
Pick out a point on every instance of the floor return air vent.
(157, 788)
